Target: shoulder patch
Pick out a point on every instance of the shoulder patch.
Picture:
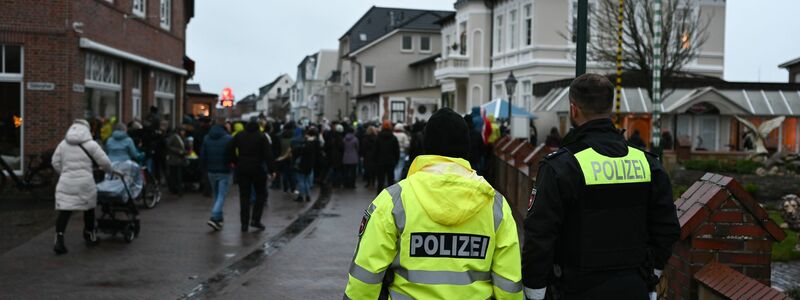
(555, 154)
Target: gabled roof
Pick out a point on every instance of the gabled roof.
(194, 89)
(265, 89)
(790, 63)
(708, 194)
(379, 21)
(734, 285)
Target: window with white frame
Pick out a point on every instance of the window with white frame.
(513, 35)
(574, 21)
(136, 94)
(369, 75)
(10, 59)
(498, 25)
(103, 87)
(462, 47)
(166, 14)
(425, 44)
(408, 43)
(140, 7)
(398, 112)
(102, 69)
(528, 29)
(165, 96)
(527, 95)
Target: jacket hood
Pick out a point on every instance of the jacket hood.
(238, 127)
(216, 132)
(78, 133)
(119, 135)
(458, 192)
(349, 137)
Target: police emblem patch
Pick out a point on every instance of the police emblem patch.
(531, 198)
(363, 225)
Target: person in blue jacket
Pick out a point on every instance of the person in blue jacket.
(215, 156)
(120, 146)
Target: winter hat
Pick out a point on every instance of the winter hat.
(339, 128)
(387, 125)
(82, 122)
(446, 134)
(399, 127)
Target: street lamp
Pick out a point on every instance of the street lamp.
(511, 84)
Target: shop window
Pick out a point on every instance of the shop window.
(398, 112)
(102, 69)
(165, 96)
(136, 94)
(166, 14)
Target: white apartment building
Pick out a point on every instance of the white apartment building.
(311, 95)
(486, 40)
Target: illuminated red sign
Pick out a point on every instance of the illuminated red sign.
(227, 97)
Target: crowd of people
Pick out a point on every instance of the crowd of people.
(294, 157)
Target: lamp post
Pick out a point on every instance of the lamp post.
(511, 84)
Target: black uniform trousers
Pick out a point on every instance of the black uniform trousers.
(248, 182)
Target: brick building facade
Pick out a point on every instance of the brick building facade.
(94, 59)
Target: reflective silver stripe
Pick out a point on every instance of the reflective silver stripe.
(371, 208)
(505, 284)
(398, 296)
(498, 209)
(442, 277)
(365, 276)
(398, 211)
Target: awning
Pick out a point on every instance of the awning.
(499, 109)
(86, 43)
(755, 102)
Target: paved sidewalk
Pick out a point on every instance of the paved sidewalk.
(175, 250)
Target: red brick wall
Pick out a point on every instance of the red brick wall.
(52, 54)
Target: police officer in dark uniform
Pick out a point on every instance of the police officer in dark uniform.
(601, 221)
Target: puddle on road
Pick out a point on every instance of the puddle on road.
(257, 257)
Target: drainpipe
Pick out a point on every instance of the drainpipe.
(354, 61)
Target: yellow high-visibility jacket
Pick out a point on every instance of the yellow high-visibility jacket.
(442, 233)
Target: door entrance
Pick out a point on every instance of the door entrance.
(11, 123)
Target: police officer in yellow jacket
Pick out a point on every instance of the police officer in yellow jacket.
(442, 233)
(601, 221)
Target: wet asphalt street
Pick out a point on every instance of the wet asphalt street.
(315, 264)
(174, 253)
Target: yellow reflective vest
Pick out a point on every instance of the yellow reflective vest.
(442, 233)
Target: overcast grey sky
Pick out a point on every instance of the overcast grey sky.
(244, 44)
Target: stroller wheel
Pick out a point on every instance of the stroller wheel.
(151, 196)
(129, 233)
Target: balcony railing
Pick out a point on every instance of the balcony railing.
(452, 66)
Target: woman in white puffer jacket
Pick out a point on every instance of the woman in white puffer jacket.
(76, 189)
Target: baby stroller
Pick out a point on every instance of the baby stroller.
(115, 195)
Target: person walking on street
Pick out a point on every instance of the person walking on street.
(441, 233)
(306, 150)
(252, 157)
(405, 142)
(176, 160)
(334, 147)
(367, 152)
(284, 161)
(350, 158)
(216, 159)
(73, 160)
(386, 156)
(553, 139)
(120, 147)
(602, 212)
